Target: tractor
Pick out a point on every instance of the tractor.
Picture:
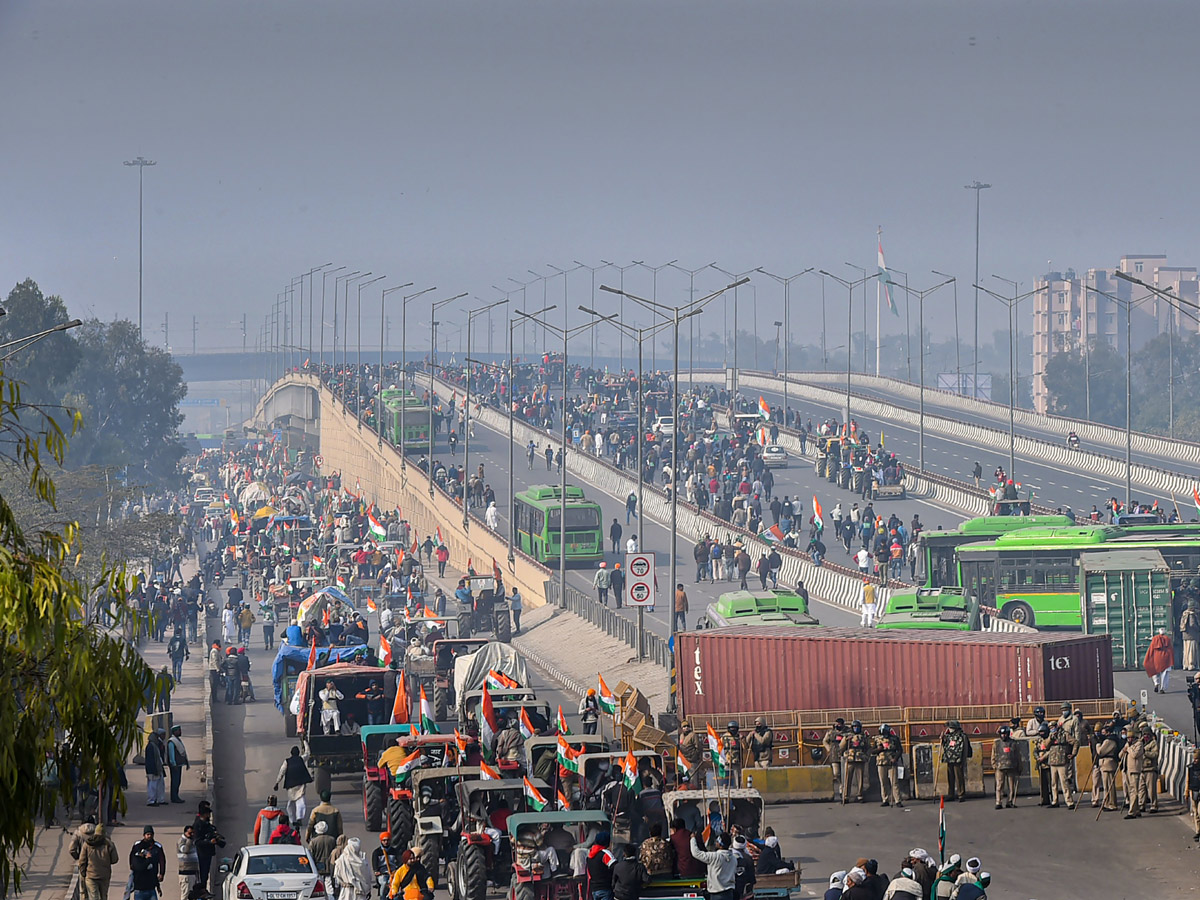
(544, 846)
(484, 852)
(376, 739)
(400, 817)
(487, 610)
(435, 808)
(435, 672)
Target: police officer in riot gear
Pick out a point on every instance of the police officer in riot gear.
(855, 747)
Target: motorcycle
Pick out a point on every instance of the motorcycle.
(1072, 441)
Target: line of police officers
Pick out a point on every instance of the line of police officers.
(1118, 744)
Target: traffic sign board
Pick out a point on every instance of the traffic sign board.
(639, 589)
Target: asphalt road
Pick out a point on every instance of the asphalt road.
(797, 480)
(1054, 431)
(1052, 486)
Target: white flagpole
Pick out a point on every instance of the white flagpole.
(878, 336)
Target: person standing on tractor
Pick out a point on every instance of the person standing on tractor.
(589, 711)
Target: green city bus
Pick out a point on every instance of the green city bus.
(416, 419)
(537, 519)
(777, 607)
(937, 547)
(1032, 576)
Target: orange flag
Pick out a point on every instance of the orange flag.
(400, 707)
(312, 655)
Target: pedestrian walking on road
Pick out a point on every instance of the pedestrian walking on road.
(515, 605)
(267, 819)
(177, 652)
(681, 608)
(329, 814)
(1189, 628)
(601, 581)
(177, 761)
(614, 533)
(97, 855)
(295, 778)
(630, 506)
(147, 866)
(207, 838)
(155, 765)
(1160, 658)
(214, 670)
(188, 861)
(617, 583)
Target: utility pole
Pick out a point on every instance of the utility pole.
(976, 186)
(141, 164)
(193, 335)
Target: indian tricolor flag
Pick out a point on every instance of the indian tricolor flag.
(716, 753)
(406, 765)
(498, 681)
(568, 757)
(629, 774)
(527, 729)
(489, 723)
(818, 514)
(608, 703)
(317, 562)
(533, 796)
(233, 520)
(371, 604)
(682, 768)
(437, 535)
(561, 722)
(773, 535)
(377, 531)
(885, 279)
(1196, 499)
(400, 706)
(428, 723)
(460, 745)
(487, 773)
(764, 409)
(563, 802)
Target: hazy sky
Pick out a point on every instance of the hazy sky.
(459, 143)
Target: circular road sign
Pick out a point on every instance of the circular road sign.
(640, 592)
(640, 566)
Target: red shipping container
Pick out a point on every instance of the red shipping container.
(751, 669)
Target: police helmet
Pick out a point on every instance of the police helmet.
(885, 729)
(1005, 731)
(733, 727)
(1039, 710)
(1044, 731)
(856, 726)
(953, 725)
(839, 721)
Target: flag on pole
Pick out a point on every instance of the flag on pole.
(487, 773)
(489, 724)
(532, 795)
(818, 514)
(764, 409)
(629, 774)
(608, 703)
(371, 604)
(885, 278)
(377, 531)
(1196, 498)
(460, 745)
(561, 722)
(312, 655)
(400, 706)
(438, 535)
(682, 768)
(414, 549)
(496, 573)
(317, 562)
(385, 651)
(568, 757)
(942, 828)
(527, 729)
(498, 681)
(772, 535)
(406, 765)
(428, 724)
(715, 751)
(563, 802)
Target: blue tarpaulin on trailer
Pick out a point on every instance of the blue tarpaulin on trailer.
(297, 657)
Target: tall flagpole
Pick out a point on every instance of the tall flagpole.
(878, 335)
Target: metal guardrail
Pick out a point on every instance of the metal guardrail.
(654, 647)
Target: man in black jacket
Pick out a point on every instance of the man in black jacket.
(147, 864)
(207, 839)
(629, 876)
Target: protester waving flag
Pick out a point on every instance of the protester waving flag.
(377, 531)
(428, 724)
(568, 757)
(460, 745)
(629, 774)
(533, 796)
(400, 707)
(608, 703)
(715, 751)
(818, 514)
(371, 604)
(527, 729)
(563, 802)
(764, 409)
(682, 769)
(406, 765)
(561, 722)
(487, 773)
(385, 651)
(498, 681)
(437, 536)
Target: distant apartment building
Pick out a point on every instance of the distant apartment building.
(1073, 312)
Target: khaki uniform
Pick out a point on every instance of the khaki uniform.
(1133, 756)
(1056, 754)
(887, 750)
(1073, 731)
(854, 751)
(1107, 763)
(832, 742)
(692, 748)
(1150, 769)
(732, 745)
(1006, 763)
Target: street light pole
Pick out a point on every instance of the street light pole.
(691, 274)
(849, 286)
(434, 307)
(471, 313)
(324, 281)
(621, 336)
(921, 295)
(957, 340)
(141, 164)
(358, 361)
(675, 314)
(787, 329)
(865, 304)
(404, 372)
(346, 334)
(379, 424)
(976, 186)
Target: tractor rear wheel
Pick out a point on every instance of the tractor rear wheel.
(472, 872)
(401, 823)
(441, 703)
(373, 804)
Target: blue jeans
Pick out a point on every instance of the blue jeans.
(145, 895)
(596, 895)
(232, 688)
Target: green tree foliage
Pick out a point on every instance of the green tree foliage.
(128, 394)
(1097, 382)
(44, 366)
(72, 688)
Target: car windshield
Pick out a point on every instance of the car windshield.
(283, 864)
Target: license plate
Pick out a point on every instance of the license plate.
(281, 895)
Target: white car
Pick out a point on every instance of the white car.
(664, 425)
(273, 872)
(204, 495)
(775, 457)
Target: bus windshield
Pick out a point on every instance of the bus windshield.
(576, 518)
